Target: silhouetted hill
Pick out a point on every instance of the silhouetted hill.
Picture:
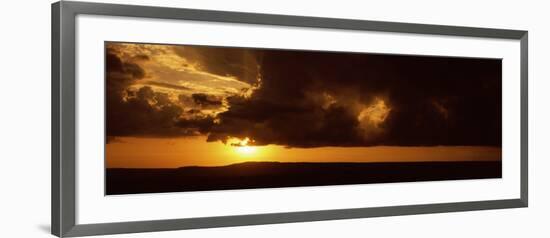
(276, 174)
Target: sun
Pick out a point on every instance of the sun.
(242, 147)
(246, 150)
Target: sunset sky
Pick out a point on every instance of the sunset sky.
(175, 105)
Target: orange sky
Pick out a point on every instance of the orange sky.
(131, 152)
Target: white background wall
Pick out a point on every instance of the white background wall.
(25, 118)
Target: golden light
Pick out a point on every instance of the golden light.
(246, 150)
(371, 118)
(374, 114)
(241, 146)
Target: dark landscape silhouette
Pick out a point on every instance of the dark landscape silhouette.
(249, 175)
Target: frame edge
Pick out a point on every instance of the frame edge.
(524, 78)
(286, 20)
(63, 118)
(278, 218)
(55, 121)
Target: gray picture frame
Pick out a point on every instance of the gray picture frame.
(63, 192)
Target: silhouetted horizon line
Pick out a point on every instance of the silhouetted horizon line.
(310, 163)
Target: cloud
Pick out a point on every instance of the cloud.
(242, 64)
(303, 99)
(207, 101)
(166, 85)
(141, 112)
(201, 125)
(172, 68)
(335, 99)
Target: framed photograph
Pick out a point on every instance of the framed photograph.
(168, 119)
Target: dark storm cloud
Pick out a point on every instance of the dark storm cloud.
(142, 112)
(122, 73)
(206, 101)
(313, 99)
(289, 125)
(200, 125)
(432, 101)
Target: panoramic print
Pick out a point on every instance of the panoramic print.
(196, 118)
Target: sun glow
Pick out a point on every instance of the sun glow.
(246, 150)
(242, 147)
